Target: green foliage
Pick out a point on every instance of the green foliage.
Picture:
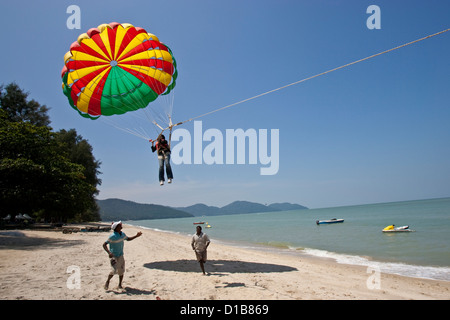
(17, 109)
(51, 175)
(79, 151)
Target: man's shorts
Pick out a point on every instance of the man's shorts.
(117, 266)
(201, 255)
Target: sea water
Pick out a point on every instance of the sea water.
(424, 253)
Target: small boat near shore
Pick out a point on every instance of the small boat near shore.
(201, 222)
(392, 228)
(334, 220)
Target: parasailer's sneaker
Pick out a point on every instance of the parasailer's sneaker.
(170, 181)
(161, 183)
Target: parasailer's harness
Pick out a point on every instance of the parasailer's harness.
(170, 127)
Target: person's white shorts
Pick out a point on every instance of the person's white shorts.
(117, 267)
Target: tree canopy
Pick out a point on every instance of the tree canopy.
(51, 175)
(18, 109)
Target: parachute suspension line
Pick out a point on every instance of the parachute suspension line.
(170, 127)
(156, 124)
(130, 131)
(170, 136)
(312, 77)
(131, 124)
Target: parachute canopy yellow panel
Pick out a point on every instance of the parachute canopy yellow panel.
(116, 68)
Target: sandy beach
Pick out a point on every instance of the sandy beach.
(53, 265)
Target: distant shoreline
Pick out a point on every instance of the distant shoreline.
(118, 209)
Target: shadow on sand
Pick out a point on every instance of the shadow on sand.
(131, 291)
(18, 240)
(218, 266)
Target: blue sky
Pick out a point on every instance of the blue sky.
(377, 131)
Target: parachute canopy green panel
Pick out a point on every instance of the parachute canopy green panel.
(116, 68)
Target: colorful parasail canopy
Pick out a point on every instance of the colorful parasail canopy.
(116, 68)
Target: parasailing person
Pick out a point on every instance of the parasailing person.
(163, 152)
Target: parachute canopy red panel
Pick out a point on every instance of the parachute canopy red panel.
(116, 68)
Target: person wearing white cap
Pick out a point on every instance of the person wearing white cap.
(115, 251)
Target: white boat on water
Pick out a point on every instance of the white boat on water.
(329, 221)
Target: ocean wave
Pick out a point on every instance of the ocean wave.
(158, 230)
(425, 272)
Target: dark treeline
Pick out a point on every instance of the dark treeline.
(51, 176)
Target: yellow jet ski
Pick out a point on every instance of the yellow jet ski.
(393, 228)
